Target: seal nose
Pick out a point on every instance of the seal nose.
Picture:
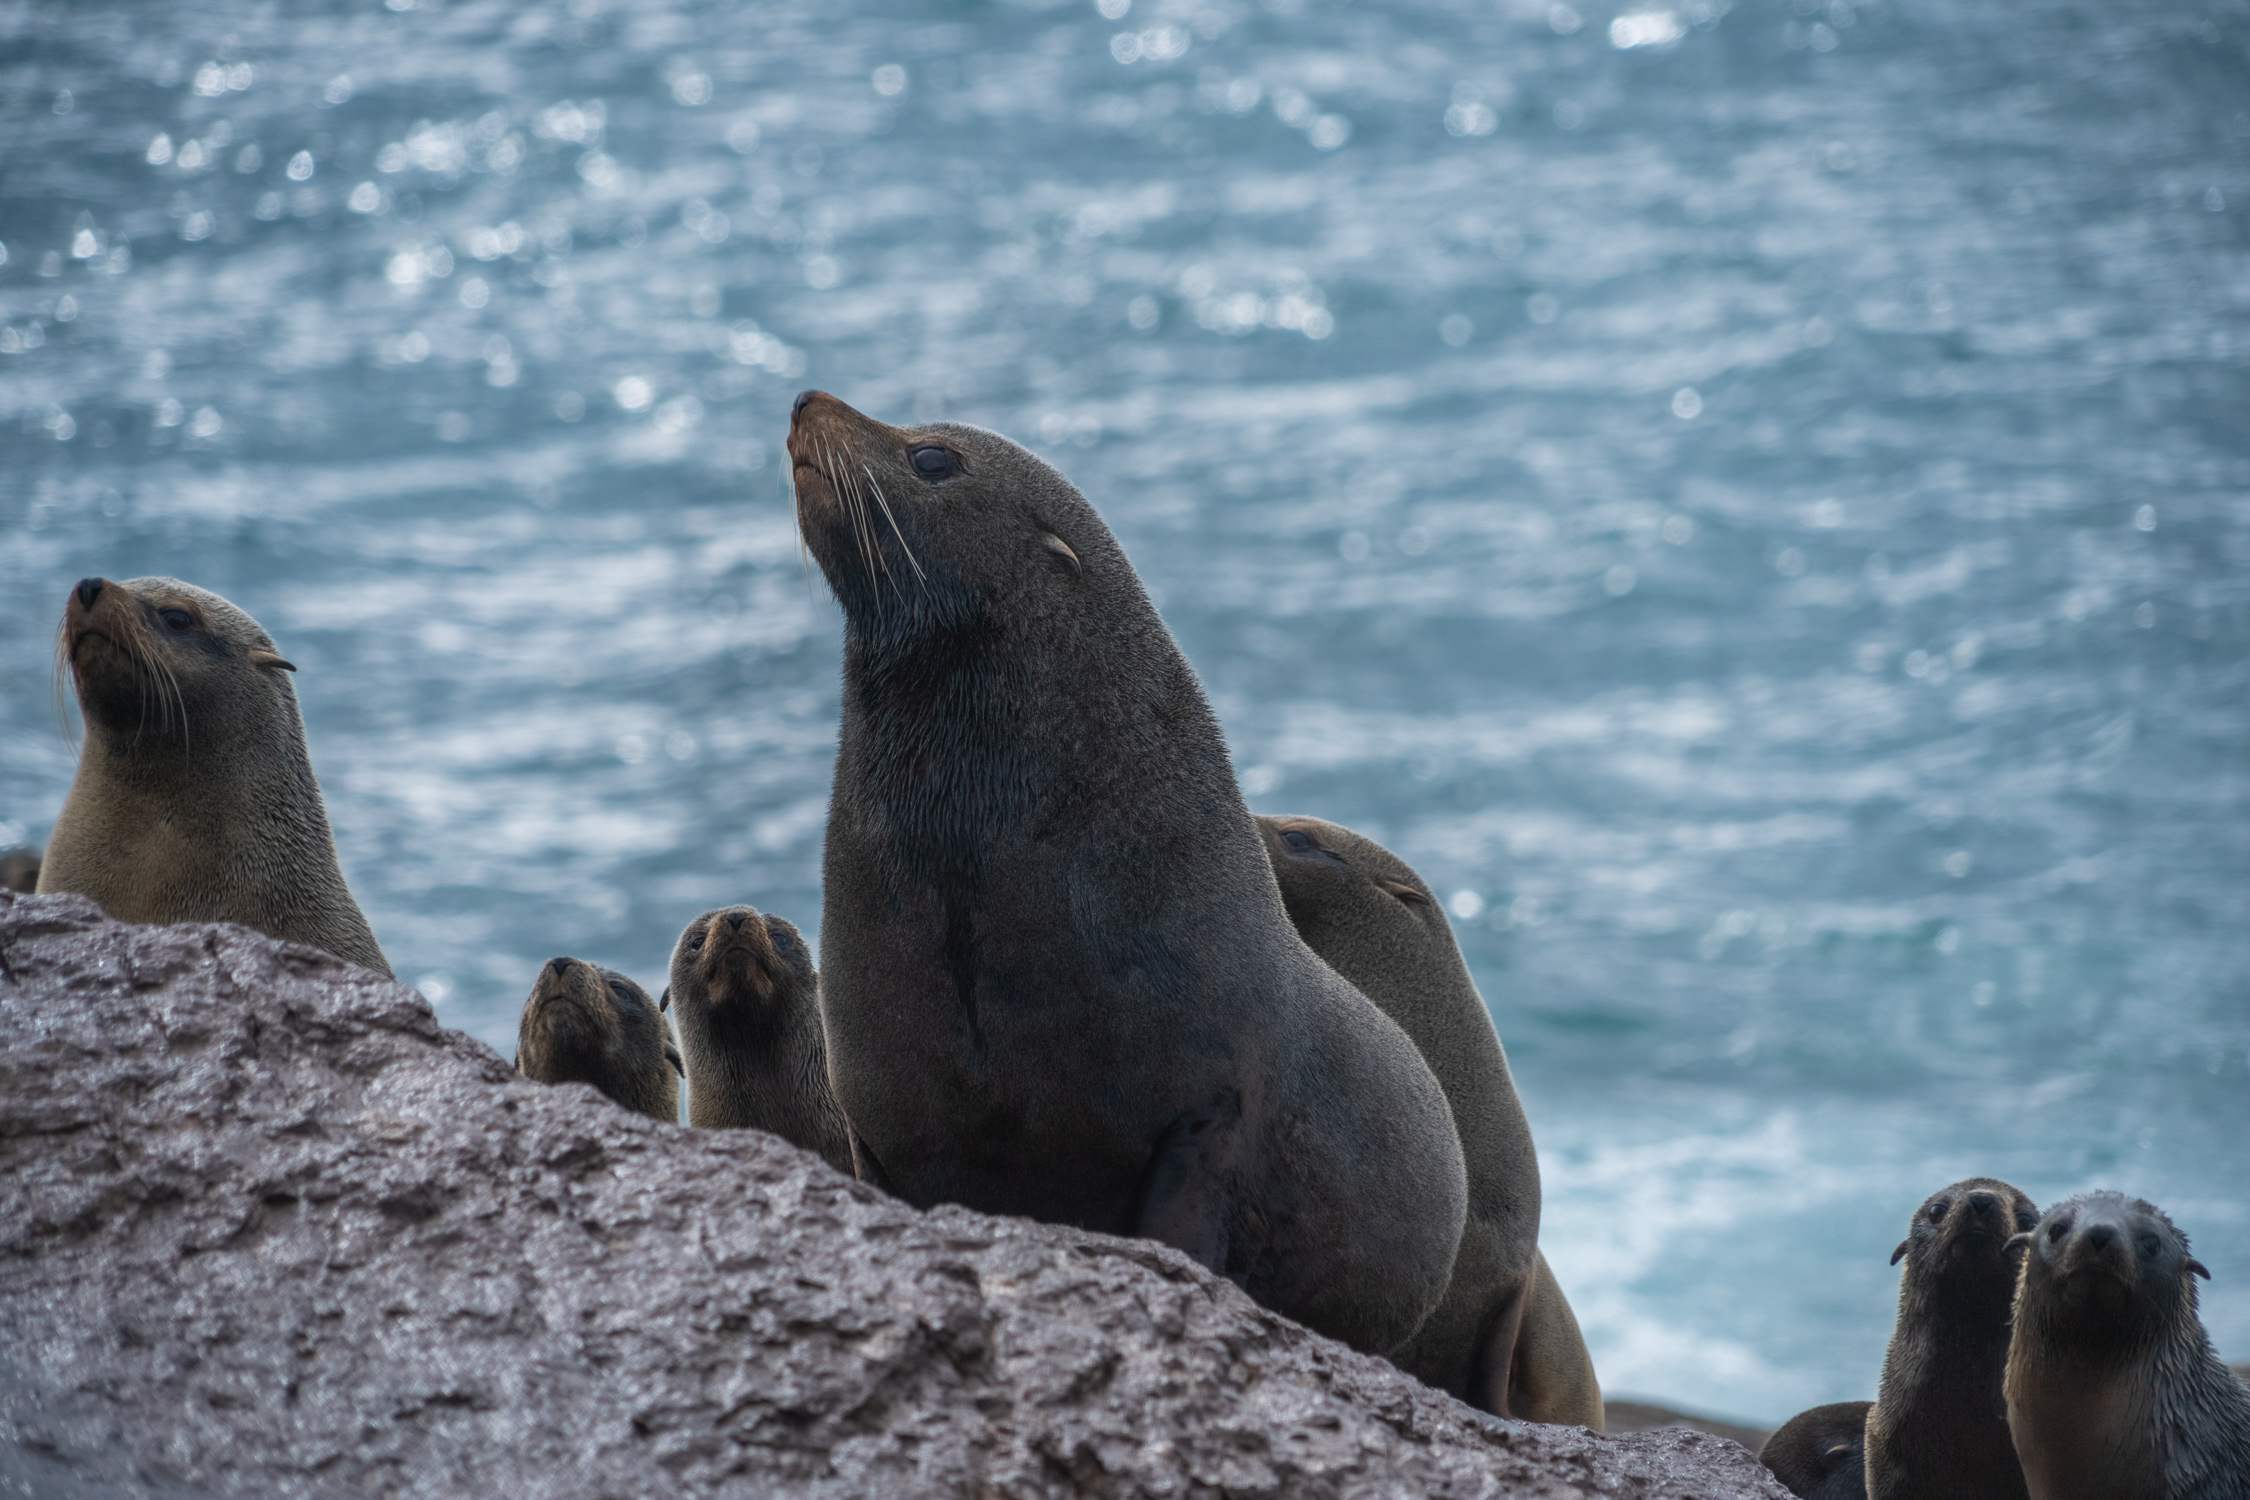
(2101, 1237)
(798, 405)
(1984, 1205)
(734, 920)
(557, 967)
(88, 590)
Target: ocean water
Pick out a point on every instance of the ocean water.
(1753, 500)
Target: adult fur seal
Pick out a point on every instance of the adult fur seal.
(1939, 1430)
(1504, 1338)
(587, 1024)
(195, 800)
(746, 998)
(1059, 981)
(1820, 1453)
(2114, 1392)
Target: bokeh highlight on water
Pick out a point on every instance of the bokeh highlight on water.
(1750, 500)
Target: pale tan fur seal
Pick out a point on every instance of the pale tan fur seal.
(1821, 1453)
(195, 800)
(587, 1024)
(746, 998)
(1939, 1430)
(1057, 977)
(1504, 1338)
(2114, 1391)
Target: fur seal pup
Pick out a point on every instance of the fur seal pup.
(1820, 1453)
(1059, 981)
(1504, 1338)
(2114, 1392)
(195, 800)
(19, 869)
(746, 999)
(1939, 1430)
(587, 1024)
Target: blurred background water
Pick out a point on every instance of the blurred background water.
(1752, 501)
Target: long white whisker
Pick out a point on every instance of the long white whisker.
(911, 561)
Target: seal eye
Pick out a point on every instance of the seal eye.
(2026, 1220)
(695, 944)
(1297, 839)
(1937, 1210)
(934, 463)
(2151, 1245)
(2057, 1230)
(176, 620)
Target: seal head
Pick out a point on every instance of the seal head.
(746, 997)
(1058, 979)
(587, 1024)
(1820, 1453)
(195, 799)
(2113, 1389)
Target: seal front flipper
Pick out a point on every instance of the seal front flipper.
(864, 1165)
(1183, 1202)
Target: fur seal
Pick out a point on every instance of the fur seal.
(195, 800)
(2114, 1392)
(1504, 1338)
(1939, 1430)
(587, 1024)
(1058, 978)
(19, 869)
(1820, 1453)
(746, 999)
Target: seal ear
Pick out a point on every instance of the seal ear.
(1900, 1253)
(2200, 1269)
(2019, 1241)
(672, 1056)
(271, 659)
(1403, 891)
(1061, 549)
(664, 1001)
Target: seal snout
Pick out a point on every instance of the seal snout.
(89, 590)
(737, 950)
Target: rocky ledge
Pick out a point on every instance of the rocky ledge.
(267, 1228)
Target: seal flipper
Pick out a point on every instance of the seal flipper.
(864, 1165)
(1540, 1371)
(1182, 1202)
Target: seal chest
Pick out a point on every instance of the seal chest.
(586, 1024)
(1058, 980)
(746, 997)
(195, 799)
(2113, 1389)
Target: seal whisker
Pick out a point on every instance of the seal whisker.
(911, 560)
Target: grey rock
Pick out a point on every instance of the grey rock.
(267, 1228)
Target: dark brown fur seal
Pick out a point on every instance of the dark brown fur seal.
(1059, 981)
(1504, 1338)
(19, 869)
(2114, 1391)
(587, 1024)
(1939, 1430)
(746, 998)
(1820, 1453)
(195, 800)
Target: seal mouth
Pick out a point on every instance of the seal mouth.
(834, 486)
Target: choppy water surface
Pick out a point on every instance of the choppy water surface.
(1758, 512)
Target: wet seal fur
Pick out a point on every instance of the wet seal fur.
(2114, 1391)
(746, 998)
(1504, 1338)
(195, 800)
(1058, 978)
(587, 1024)
(1939, 1430)
(1821, 1453)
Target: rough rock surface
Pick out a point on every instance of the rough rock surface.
(266, 1228)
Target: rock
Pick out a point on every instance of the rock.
(267, 1228)
(1644, 1416)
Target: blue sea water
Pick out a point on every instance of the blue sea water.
(1753, 501)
